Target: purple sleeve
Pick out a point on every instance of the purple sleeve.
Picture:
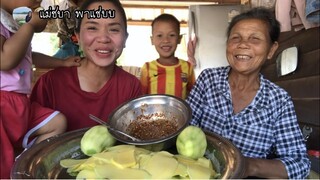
(4, 31)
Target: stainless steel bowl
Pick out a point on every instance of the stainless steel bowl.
(42, 161)
(173, 109)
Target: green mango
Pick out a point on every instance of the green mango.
(96, 139)
(191, 142)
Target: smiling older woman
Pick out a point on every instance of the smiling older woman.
(238, 103)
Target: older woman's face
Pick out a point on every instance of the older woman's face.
(249, 46)
(102, 40)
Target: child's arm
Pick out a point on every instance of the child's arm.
(191, 50)
(43, 61)
(14, 48)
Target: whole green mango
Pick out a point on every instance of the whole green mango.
(96, 139)
(191, 142)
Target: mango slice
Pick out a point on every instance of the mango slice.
(87, 174)
(124, 159)
(111, 171)
(128, 161)
(197, 171)
(67, 163)
(161, 166)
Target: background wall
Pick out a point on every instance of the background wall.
(303, 84)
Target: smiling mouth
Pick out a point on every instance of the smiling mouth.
(243, 57)
(166, 48)
(103, 51)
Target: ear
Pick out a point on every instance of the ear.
(179, 39)
(77, 36)
(124, 43)
(151, 39)
(273, 49)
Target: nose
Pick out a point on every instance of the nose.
(104, 37)
(244, 43)
(165, 39)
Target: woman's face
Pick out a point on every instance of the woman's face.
(249, 46)
(102, 40)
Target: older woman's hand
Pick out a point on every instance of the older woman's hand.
(266, 168)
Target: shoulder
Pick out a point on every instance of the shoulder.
(60, 74)
(219, 72)
(184, 62)
(274, 94)
(121, 73)
(126, 82)
(273, 88)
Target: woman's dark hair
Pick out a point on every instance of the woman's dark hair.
(167, 18)
(260, 13)
(116, 3)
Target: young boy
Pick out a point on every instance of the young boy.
(168, 74)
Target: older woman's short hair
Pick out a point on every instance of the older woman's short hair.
(260, 13)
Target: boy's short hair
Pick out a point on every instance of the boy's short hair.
(167, 18)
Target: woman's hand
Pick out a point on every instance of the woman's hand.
(264, 168)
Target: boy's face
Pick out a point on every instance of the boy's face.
(165, 37)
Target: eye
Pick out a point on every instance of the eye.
(234, 39)
(159, 36)
(91, 28)
(114, 30)
(254, 39)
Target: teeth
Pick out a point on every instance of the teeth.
(166, 48)
(243, 57)
(103, 51)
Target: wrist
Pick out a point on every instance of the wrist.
(27, 27)
(251, 167)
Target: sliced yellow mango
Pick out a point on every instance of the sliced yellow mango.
(124, 159)
(111, 171)
(67, 163)
(143, 160)
(197, 171)
(87, 174)
(161, 165)
(184, 159)
(104, 157)
(120, 148)
(139, 151)
(181, 171)
(204, 162)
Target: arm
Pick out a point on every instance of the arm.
(191, 50)
(292, 161)
(48, 62)
(266, 168)
(144, 79)
(14, 48)
(290, 144)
